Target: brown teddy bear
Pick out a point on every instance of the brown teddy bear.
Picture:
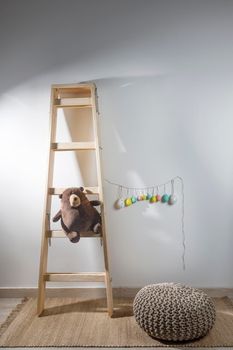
(77, 214)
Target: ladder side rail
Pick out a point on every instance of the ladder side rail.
(47, 205)
(101, 197)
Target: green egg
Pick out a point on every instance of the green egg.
(165, 198)
(133, 199)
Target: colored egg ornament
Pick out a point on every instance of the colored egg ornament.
(153, 199)
(120, 203)
(172, 199)
(158, 197)
(128, 202)
(165, 198)
(144, 197)
(133, 199)
(148, 196)
(139, 198)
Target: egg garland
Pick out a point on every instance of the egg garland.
(152, 198)
(128, 196)
(131, 195)
(165, 198)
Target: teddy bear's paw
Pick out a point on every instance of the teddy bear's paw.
(73, 236)
(97, 228)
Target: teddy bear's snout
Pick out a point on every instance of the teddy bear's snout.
(74, 200)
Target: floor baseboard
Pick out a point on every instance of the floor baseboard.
(95, 292)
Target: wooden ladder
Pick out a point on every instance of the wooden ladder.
(72, 96)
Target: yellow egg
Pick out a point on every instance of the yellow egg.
(128, 202)
(144, 197)
(153, 199)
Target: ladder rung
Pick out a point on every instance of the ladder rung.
(73, 88)
(73, 102)
(87, 190)
(75, 277)
(61, 234)
(71, 146)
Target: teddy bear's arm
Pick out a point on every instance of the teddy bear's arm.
(57, 216)
(95, 203)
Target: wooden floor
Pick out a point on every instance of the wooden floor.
(8, 304)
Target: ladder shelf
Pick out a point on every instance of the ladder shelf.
(72, 96)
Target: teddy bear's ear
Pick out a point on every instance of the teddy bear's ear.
(81, 189)
(60, 196)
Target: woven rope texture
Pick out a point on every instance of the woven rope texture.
(174, 312)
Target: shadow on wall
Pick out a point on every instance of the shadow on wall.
(87, 39)
(80, 128)
(47, 37)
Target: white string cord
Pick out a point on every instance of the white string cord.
(140, 190)
(182, 222)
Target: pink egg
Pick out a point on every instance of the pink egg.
(139, 198)
(158, 197)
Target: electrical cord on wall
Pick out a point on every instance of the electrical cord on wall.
(136, 190)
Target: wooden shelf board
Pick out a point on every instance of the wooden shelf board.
(61, 234)
(87, 190)
(73, 102)
(72, 146)
(75, 277)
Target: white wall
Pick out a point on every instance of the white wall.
(165, 80)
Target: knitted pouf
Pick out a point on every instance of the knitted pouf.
(173, 312)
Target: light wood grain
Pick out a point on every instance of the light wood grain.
(72, 146)
(108, 278)
(61, 234)
(75, 277)
(73, 102)
(87, 190)
(79, 95)
(47, 206)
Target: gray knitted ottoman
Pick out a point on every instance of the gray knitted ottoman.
(173, 312)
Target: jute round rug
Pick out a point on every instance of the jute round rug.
(70, 322)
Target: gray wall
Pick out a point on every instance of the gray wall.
(165, 78)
